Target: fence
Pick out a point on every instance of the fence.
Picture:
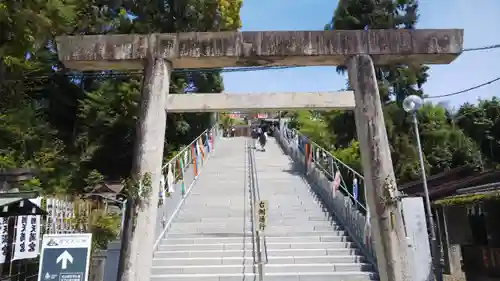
(340, 187)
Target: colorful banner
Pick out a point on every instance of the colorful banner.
(194, 156)
(186, 157)
(207, 142)
(212, 140)
(201, 149)
(355, 189)
(336, 184)
(170, 179)
(162, 195)
(27, 245)
(181, 166)
(368, 227)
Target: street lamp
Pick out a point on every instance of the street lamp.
(412, 104)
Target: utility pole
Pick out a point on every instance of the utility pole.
(380, 184)
(138, 237)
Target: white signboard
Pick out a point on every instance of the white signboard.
(65, 257)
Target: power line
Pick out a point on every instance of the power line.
(116, 74)
(482, 48)
(466, 90)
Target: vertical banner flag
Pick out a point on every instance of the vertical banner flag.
(194, 156)
(207, 142)
(355, 189)
(368, 226)
(201, 149)
(186, 158)
(28, 235)
(170, 178)
(306, 154)
(4, 224)
(181, 167)
(336, 184)
(162, 189)
(212, 139)
(198, 155)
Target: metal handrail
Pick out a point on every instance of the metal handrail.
(182, 151)
(256, 233)
(257, 194)
(337, 165)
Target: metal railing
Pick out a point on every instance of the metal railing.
(179, 176)
(340, 187)
(259, 239)
(351, 183)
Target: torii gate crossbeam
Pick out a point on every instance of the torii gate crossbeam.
(266, 101)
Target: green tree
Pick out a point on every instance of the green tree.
(73, 125)
(445, 146)
(481, 122)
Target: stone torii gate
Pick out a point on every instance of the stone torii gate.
(359, 50)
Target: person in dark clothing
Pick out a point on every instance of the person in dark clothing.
(255, 137)
(263, 140)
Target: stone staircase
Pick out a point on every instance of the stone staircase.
(211, 237)
(303, 241)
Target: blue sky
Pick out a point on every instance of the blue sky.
(479, 19)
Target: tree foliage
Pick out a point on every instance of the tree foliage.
(448, 140)
(78, 128)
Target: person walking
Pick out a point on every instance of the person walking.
(254, 136)
(263, 140)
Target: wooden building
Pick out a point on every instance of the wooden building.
(466, 206)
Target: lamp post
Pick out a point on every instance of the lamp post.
(412, 104)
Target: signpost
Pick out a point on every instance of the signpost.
(262, 213)
(65, 257)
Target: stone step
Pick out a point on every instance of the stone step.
(248, 239)
(298, 228)
(285, 276)
(195, 225)
(213, 212)
(270, 245)
(208, 231)
(270, 268)
(250, 260)
(272, 228)
(249, 252)
(281, 218)
(226, 234)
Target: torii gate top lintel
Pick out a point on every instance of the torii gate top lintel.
(229, 49)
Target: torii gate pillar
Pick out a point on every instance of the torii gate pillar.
(358, 49)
